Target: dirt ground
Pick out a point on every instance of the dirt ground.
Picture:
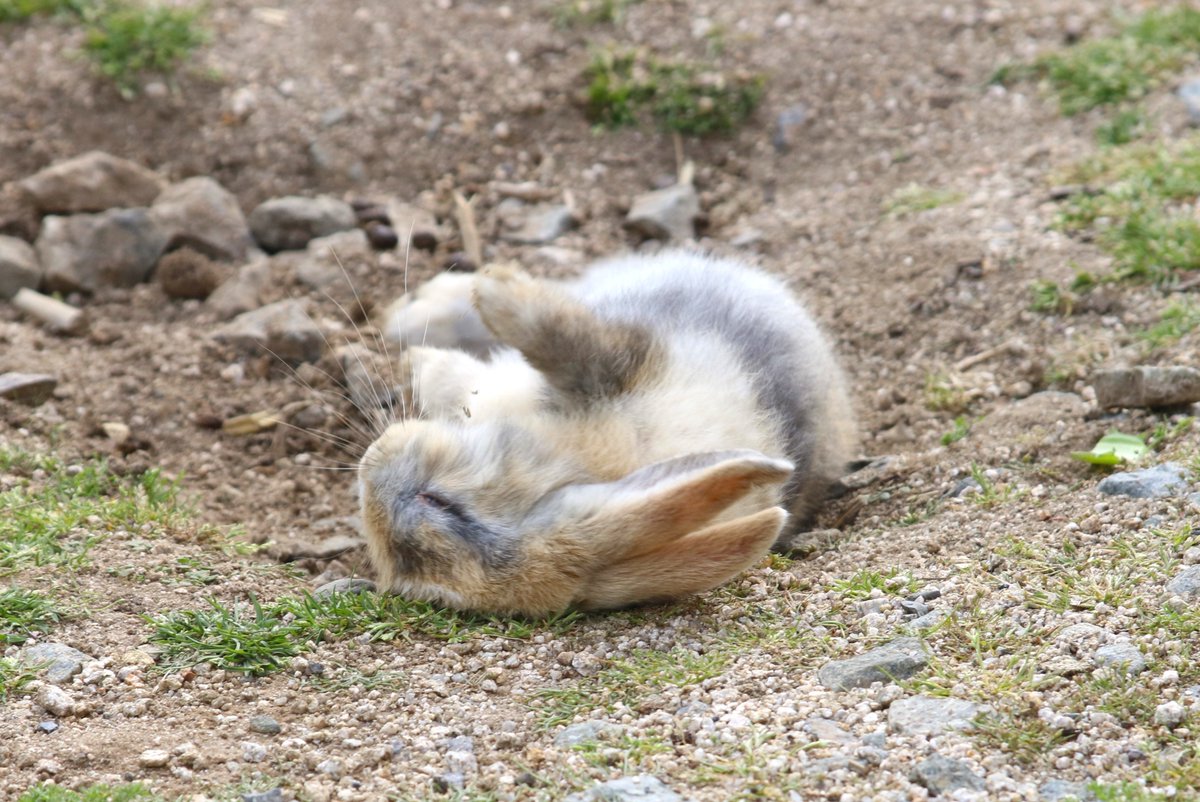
(371, 100)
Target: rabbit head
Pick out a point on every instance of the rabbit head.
(492, 517)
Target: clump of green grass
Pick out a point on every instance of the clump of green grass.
(257, 639)
(862, 583)
(23, 613)
(962, 427)
(1020, 734)
(576, 13)
(1119, 68)
(21, 10)
(136, 792)
(914, 198)
(14, 676)
(1178, 319)
(56, 518)
(127, 40)
(687, 98)
(944, 394)
(1126, 126)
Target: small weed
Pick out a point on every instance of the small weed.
(577, 13)
(20, 10)
(347, 677)
(989, 495)
(95, 793)
(627, 751)
(1124, 792)
(1048, 298)
(1122, 129)
(241, 638)
(962, 427)
(862, 583)
(1168, 432)
(22, 613)
(14, 676)
(1024, 736)
(944, 394)
(127, 39)
(915, 198)
(919, 514)
(687, 98)
(1178, 319)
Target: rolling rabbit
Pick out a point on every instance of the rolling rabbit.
(635, 435)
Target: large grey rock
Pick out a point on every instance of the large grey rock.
(201, 214)
(1122, 655)
(931, 715)
(1161, 481)
(289, 223)
(86, 252)
(665, 214)
(899, 659)
(92, 182)
(1186, 582)
(944, 775)
(534, 225)
(1064, 791)
(19, 266)
(586, 732)
(1146, 386)
(33, 389)
(640, 788)
(61, 661)
(327, 260)
(241, 292)
(282, 328)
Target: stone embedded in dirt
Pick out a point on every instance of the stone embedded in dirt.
(1064, 791)
(414, 225)
(19, 266)
(585, 732)
(1170, 714)
(92, 182)
(1186, 582)
(347, 584)
(327, 260)
(1123, 655)
(283, 329)
(787, 125)
(201, 214)
(327, 549)
(154, 758)
(898, 659)
(290, 223)
(86, 252)
(274, 795)
(381, 236)
(931, 715)
(825, 730)
(242, 292)
(1189, 93)
(1161, 481)
(640, 788)
(186, 273)
(33, 389)
(55, 701)
(666, 214)
(1147, 386)
(533, 225)
(48, 726)
(63, 661)
(944, 775)
(253, 752)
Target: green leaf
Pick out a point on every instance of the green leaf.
(1114, 448)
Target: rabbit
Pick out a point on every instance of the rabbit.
(641, 433)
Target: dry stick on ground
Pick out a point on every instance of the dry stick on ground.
(983, 356)
(464, 212)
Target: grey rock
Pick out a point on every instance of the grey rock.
(86, 252)
(899, 659)
(828, 765)
(1186, 582)
(450, 780)
(930, 592)
(825, 730)
(1122, 655)
(63, 661)
(47, 726)
(274, 795)
(1170, 714)
(665, 214)
(586, 732)
(943, 775)
(253, 752)
(1064, 791)
(331, 767)
(33, 389)
(965, 487)
(639, 788)
(347, 584)
(787, 123)
(914, 607)
(19, 266)
(282, 328)
(290, 223)
(930, 620)
(1147, 386)
(1189, 93)
(534, 225)
(92, 182)
(201, 214)
(1161, 481)
(242, 292)
(461, 743)
(875, 740)
(931, 715)
(265, 725)
(327, 260)
(55, 701)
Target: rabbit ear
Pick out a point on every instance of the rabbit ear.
(688, 565)
(658, 504)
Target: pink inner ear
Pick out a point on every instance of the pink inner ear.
(690, 564)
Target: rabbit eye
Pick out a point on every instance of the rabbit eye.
(435, 501)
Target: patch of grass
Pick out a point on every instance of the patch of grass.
(914, 198)
(57, 515)
(962, 427)
(577, 13)
(257, 639)
(14, 676)
(625, 682)
(22, 613)
(1125, 792)
(1167, 432)
(863, 582)
(1126, 126)
(627, 751)
(1023, 735)
(348, 676)
(945, 394)
(127, 39)
(135, 792)
(1119, 68)
(21, 10)
(687, 98)
(1178, 319)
